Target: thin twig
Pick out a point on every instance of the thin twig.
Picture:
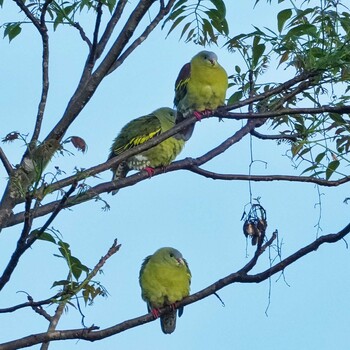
(291, 137)
(30, 303)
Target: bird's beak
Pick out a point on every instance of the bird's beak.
(180, 261)
(213, 62)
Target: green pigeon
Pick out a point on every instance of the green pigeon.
(200, 87)
(165, 279)
(137, 132)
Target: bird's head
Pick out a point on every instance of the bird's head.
(171, 256)
(166, 113)
(208, 58)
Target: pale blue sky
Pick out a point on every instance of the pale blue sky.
(198, 216)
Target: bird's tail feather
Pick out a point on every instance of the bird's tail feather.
(119, 173)
(168, 322)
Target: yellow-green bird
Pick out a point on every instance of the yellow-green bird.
(201, 86)
(165, 279)
(140, 130)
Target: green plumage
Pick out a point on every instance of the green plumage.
(165, 279)
(141, 130)
(201, 85)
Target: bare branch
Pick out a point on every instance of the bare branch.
(54, 321)
(87, 88)
(110, 27)
(6, 163)
(30, 303)
(241, 276)
(267, 178)
(291, 137)
(25, 241)
(21, 245)
(82, 34)
(163, 11)
(283, 111)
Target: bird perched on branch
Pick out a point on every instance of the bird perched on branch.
(165, 279)
(200, 87)
(137, 132)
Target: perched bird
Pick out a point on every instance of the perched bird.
(165, 279)
(200, 87)
(137, 132)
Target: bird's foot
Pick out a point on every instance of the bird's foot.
(155, 313)
(207, 112)
(200, 114)
(149, 170)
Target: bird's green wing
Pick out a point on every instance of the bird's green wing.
(181, 83)
(145, 262)
(135, 133)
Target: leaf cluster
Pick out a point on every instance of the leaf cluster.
(202, 21)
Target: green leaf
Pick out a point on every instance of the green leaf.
(302, 29)
(235, 97)
(284, 57)
(173, 15)
(319, 157)
(257, 51)
(12, 30)
(296, 147)
(77, 267)
(45, 236)
(184, 29)
(60, 283)
(337, 118)
(332, 167)
(178, 4)
(208, 29)
(64, 250)
(220, 6)
(282, 17)
(176, 23)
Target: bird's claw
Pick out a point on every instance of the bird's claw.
(149, 170)
(199, 114)
(155, 313)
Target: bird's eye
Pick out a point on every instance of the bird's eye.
(171, 255)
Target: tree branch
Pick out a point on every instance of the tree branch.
(28, 13)
(185, 164)
(25, 241)
(5, 162)
(30, 303)
(280, 112)
(275, 91)
(267, 178)
(241, 276)
(110, 27)
(291, 137)
(88, 86)
(163, 11)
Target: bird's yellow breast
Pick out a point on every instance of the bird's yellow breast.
(206, 88)
(164, 285)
